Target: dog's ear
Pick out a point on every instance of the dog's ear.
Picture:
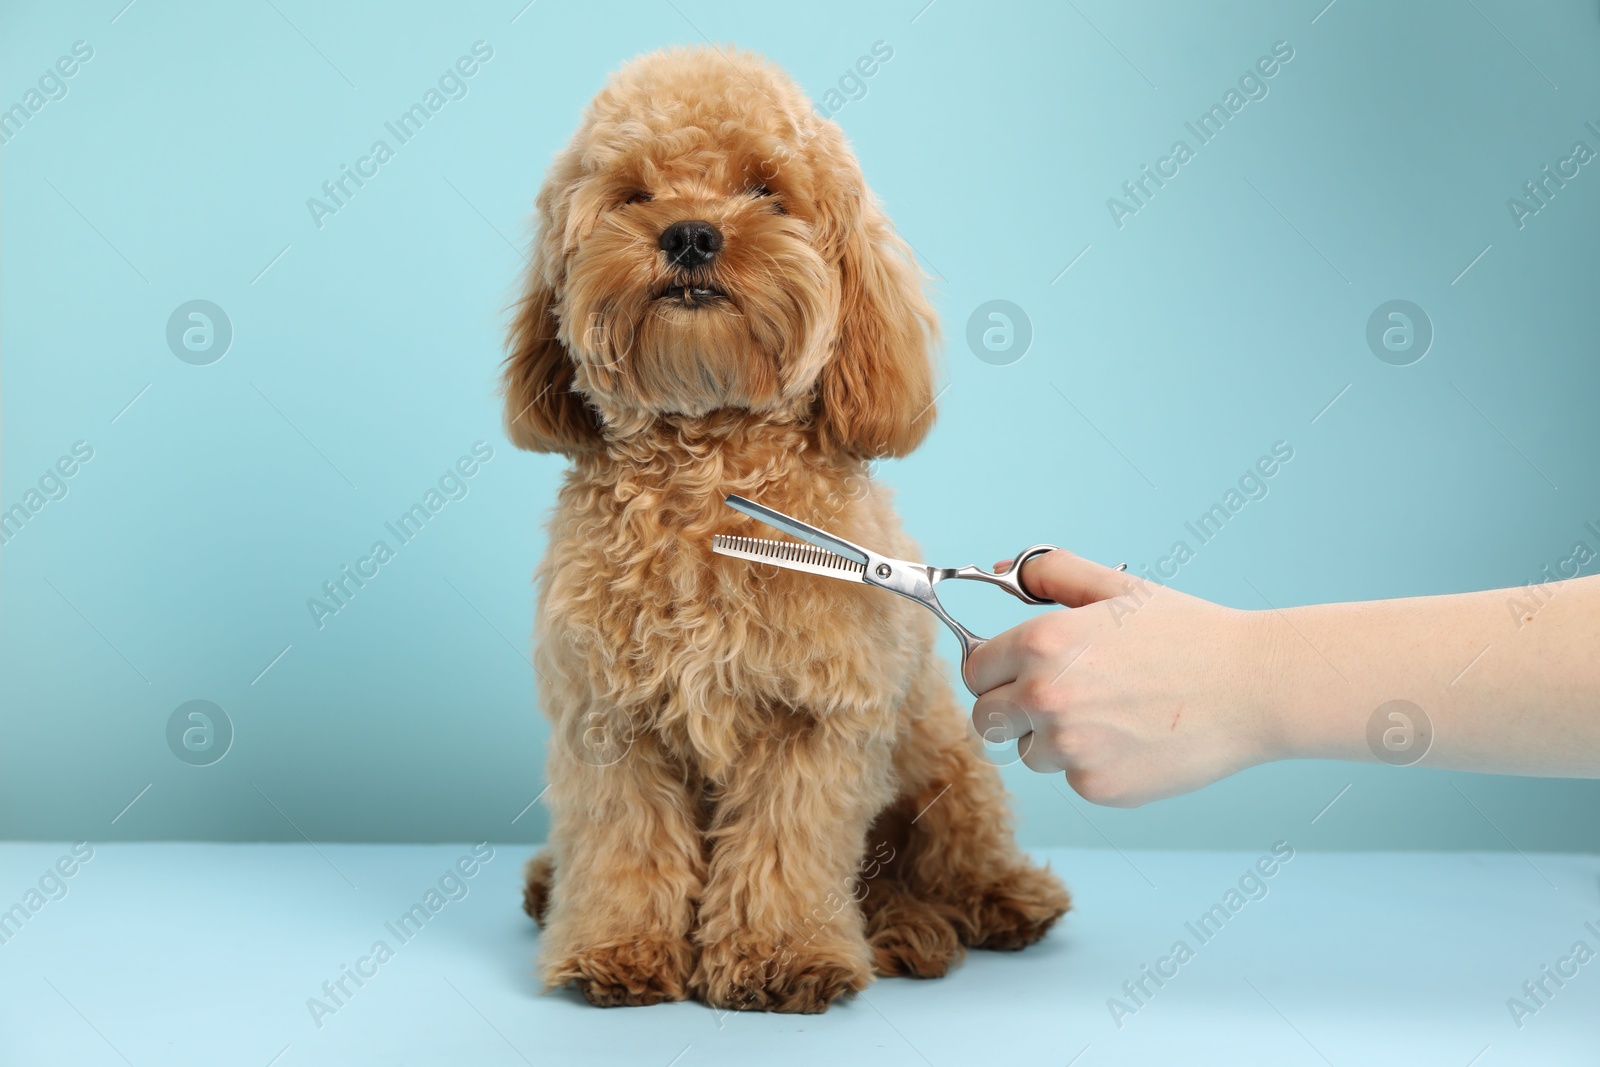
(875, 395)
(543, 413)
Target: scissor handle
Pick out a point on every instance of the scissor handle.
(1009, 579)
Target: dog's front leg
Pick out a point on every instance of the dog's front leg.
(629, 867)
(780, 927)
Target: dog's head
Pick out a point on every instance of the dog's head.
(706, 242)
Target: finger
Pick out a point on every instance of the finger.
(994, 663)
(1071, 580)
(1048, 643)
(997, 720)
(1036, 756)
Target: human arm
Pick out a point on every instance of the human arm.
(1144, 692)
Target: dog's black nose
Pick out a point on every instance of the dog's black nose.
(691, 243)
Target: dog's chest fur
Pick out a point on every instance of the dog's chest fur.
(703, 650)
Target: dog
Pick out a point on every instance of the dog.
(762, 788)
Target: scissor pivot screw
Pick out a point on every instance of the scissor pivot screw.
(883, 570)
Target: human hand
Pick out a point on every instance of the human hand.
(1139, 693)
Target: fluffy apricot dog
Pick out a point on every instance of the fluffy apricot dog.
(762, 787)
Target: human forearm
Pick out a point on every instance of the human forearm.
(1510, 682)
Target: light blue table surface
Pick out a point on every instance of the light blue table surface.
(208, 954)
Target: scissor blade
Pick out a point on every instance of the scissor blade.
(795, 557)
(795, 528)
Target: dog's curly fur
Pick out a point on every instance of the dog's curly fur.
(762, 788)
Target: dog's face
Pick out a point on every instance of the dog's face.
(706, 242)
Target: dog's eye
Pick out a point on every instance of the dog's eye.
(638, 196)
(761, 192)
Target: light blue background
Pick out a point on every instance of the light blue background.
(1225, 316)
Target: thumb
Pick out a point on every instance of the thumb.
(1071, 580)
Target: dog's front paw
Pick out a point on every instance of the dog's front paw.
(1013, 911)
(798, 977)
(646, 970)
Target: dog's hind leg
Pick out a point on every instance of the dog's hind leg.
(539, 878)
(909, 934)
(961, 852)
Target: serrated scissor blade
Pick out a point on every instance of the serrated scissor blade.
(838, 546)
(791, 555)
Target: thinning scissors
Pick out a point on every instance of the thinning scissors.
(825, 554)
